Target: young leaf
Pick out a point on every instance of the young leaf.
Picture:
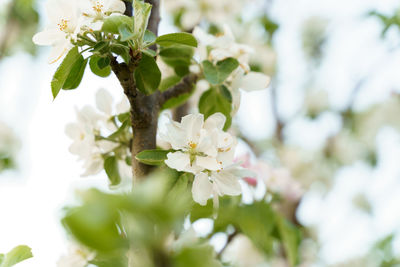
(177, 55)
(64, 70)
(182, 38)
(149, 38)
(95, 63)
(125, 32)
(16, 255)
(142, 15)
(215, 100)
(290, 238)
(152, 157)
(217, 74)
(169, 82)
(112, 24)
(76, 74)
(147, 75)
(111, 168)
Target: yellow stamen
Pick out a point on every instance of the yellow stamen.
(98, 7)
(192, 145)
(63, 25)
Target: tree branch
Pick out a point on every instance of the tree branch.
(144, 108)
(185, 86)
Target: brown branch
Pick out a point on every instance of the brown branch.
(144, 108)
(185, 86)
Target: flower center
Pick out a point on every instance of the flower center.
(63, 25)
(98, 7)
(192, 145)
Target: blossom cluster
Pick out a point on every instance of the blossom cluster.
(70, 18)
(216, 48)
(202, 147)
(90, 134)
(192, 12)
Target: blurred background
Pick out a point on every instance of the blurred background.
(331, 117)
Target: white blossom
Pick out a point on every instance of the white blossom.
(195, 10)
(97, 10)
(199, 144)
(241, 252)
(77, 257)
(63, 28)
(217, 48)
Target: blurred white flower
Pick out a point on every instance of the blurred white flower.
(63, 28)
(241, 252)
(193, 11)
(77, 257)
(217, 48)
(85, 146)
(92, 124)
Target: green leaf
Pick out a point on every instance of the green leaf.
(125, 32)
(176, 101)
(257, 222)
(217, 74)
(121, 50)
(111, 168)
(76, 74)
(215, 100)
(142, 14)
(121, 130)
(95, 63)
(64, 70)
(152, 157)
(201, 255)
(100, 47)
(177, 55)
(149, 38)
(16, 255)
(103, 62)
(290, 237)
(182, 38)
(169, 82)
(147, 75)
(112, 24)
(95, 224)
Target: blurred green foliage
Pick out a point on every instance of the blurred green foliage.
(147, 224)
(18, 23)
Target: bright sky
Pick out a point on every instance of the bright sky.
(31, 199)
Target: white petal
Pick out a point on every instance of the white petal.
(192, 125)
(215, 121)
(48, 37)
(178, 160)
(73, 131)
(208, 163)
(254, 81)
(115, 6)
(58, 52)
(202, 188)
(227, 183)
(104, 101)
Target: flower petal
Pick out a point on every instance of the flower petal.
(201, 189)
(226, 183)
(178, 160)
(104, 101)
(254, 81)
(208, 163)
